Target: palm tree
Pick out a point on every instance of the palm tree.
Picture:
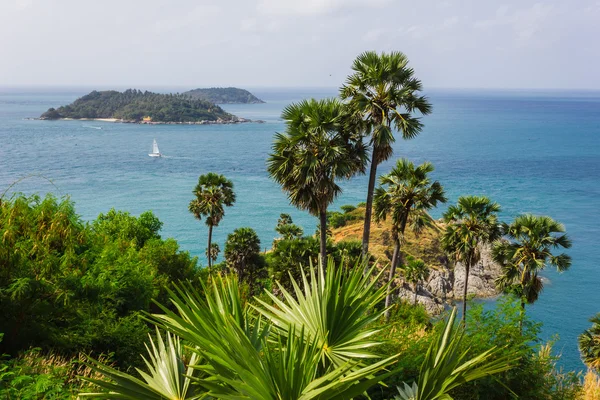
(526, 251)
(317, 149)
(415, 272)
(589, 344)
(305, 347)
(384, 93)
(405, 193)
(242, 254)
(213, 192)
(472, 223)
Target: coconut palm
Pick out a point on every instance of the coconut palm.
(446, 366)
(213, 192)
(471, 224)
(405, 193)
(384, 93)
(415, 272)
(317, 149)
(589, 344)
(527, 250)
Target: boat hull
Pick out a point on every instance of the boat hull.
(154, 155)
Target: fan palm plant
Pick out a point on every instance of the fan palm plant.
(406, 192)
(527, 250)
(317, 149)
(447, 366)
(589, 344)
(213, 192)
(384, 93)
(335, 307)
(168, 378)
(472, 223)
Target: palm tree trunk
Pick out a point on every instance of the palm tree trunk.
(416, 287)
(388, 297)
(522, 316)
(210, 228)
(369, 205)
(464, 316)
(323, 219)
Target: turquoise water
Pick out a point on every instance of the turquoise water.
(530, 151)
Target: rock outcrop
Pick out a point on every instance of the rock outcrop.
(446, 284)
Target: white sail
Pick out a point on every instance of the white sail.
(155, 151)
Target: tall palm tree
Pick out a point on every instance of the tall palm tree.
(405, 193)
(472, 223)
(213, 192)
(384, 93)
(589, 344)
(526, 251)
(317, 148)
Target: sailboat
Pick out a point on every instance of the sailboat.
(155, 151)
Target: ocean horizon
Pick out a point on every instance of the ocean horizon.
(534, 151)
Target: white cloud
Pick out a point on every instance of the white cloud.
(313, 7)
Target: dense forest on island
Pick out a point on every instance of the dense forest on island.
(228, 95)
(134, 105)
(109, 309)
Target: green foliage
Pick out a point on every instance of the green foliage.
(448, 366)
(134, 105)
(243, 356)
(228, 95)
(535, 376)
(526, 250)
(242, 254)
(72, 287)
(589, 344)
(471, 223)
(287, 229)
(347, 208)
(213, 193)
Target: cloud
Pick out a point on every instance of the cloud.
(200, 14)
(313, 7)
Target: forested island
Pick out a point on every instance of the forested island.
(139, 106)
(228, 95)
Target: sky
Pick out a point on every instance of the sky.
(297, 43)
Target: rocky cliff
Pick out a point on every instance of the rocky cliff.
(446, 279)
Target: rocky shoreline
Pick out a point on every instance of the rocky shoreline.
(124, 121)
(446, 285)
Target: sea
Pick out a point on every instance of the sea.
(530, 151)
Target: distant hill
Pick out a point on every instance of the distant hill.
(135, 106)
(228, 95)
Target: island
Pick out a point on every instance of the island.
(144, 107)
(228, 95)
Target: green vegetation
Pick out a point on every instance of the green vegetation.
(74, 287)
(383, 94)
(228, 95)
(318, 148)
(589, 344)
(526, 251)
(212, 194)
(406, 194)
(472, 222)
(314, 318)
(135, 105)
